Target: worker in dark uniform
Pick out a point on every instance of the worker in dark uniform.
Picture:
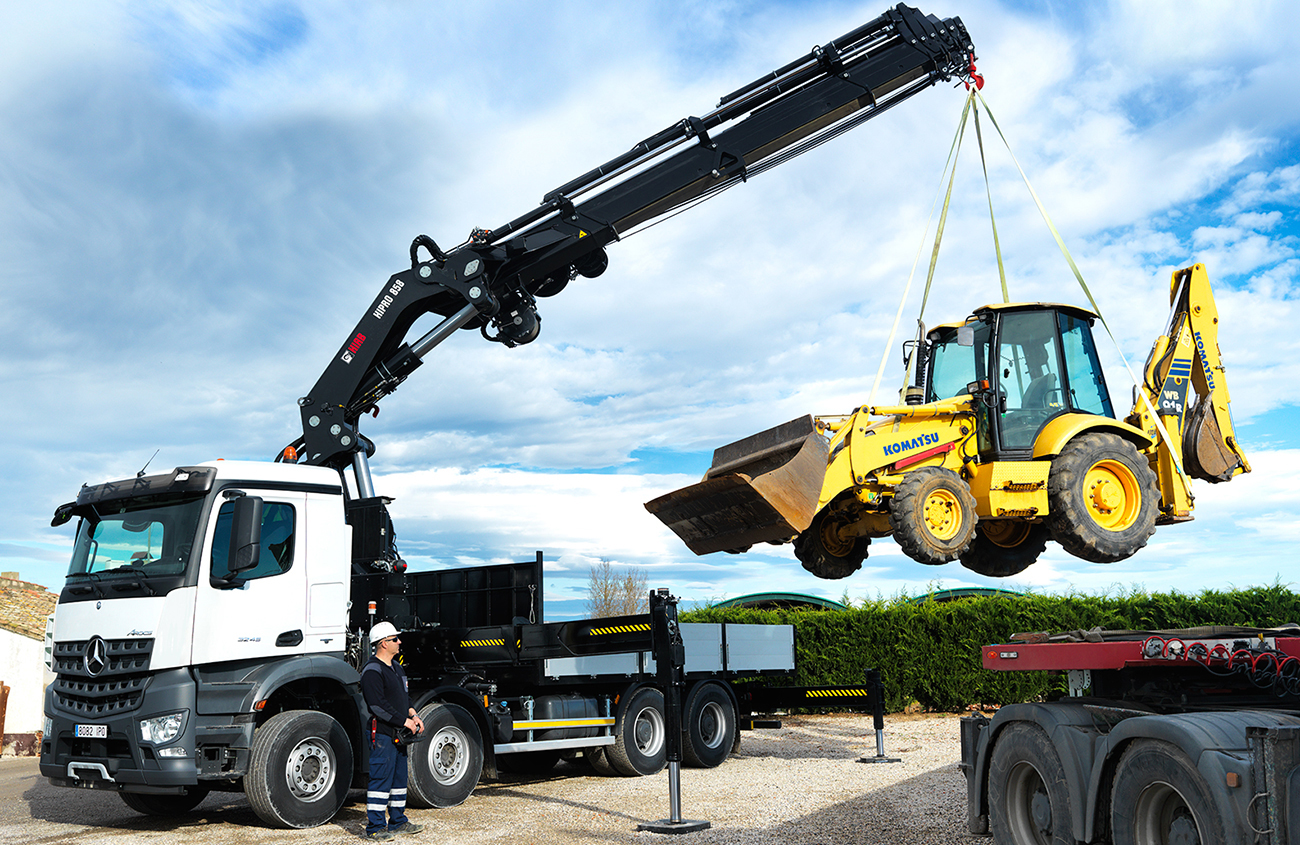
(384, 686)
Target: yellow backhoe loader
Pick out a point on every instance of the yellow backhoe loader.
(1007, 439)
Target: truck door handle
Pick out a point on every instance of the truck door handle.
(289, 639)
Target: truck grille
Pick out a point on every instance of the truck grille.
(99, 678)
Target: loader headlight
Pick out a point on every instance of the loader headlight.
(162, 729)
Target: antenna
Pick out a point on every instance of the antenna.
(140, 474)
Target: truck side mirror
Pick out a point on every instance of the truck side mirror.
(245, 534)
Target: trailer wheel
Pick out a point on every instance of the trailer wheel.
(710, 729)
(639, 736)
(1005, 547)
(165, 805)
(599, 761)
(1028, 801)
(299, 769)
(825, 552)
(933, 515)
(446, 767)
(1159, 797)
(1102, 497)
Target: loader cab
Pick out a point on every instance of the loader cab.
(1039, 361)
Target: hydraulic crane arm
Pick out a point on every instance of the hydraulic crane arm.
(1184, 381)
(492, 281)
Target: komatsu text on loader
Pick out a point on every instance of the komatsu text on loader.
(1007, 439)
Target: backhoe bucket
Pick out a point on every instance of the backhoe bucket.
(763, 489)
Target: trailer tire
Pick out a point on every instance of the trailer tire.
(1102, 498)
(1005, 547)
(640, 746)
(446, 767)
(299, 769)
(933, 515)
(599, 761)
(165, 805)
(710, 729)
(1028, 801)
(823, 552)
(1158, 796)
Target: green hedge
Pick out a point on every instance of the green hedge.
(929, 651)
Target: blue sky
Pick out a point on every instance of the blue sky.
(198, 200)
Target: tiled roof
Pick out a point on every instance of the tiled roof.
(24, 607)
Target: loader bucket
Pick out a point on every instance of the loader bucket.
(763, 489)
(1205, 453)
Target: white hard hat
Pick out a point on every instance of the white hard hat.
(382, 631)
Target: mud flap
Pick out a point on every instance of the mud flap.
(762, 489)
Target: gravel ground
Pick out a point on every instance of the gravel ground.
(801, 784)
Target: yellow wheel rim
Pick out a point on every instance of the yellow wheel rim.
(1005, 533)
(833, 539)
(943, 517)
(1112, 495)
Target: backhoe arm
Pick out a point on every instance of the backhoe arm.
(492, 281)
(1184, 382)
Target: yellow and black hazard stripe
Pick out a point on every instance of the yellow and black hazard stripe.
(835, 693)
(620, 629)
(480, 643)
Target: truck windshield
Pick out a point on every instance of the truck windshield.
(149, 540)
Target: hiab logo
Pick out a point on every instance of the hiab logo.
(353, 347)
(915, 443)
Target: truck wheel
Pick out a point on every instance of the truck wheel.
(445, 768)
(825, 553)
(599, 761)
(1102, 497)
(639, 736)
(165, 805)
(710, 728)
(299, 769)
(1028, 801)
(1004, 547)
(933, 515)
(1159, 797)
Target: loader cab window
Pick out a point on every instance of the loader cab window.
(952, 366)
(1030, 377)
(1086, 384)
(277, 542)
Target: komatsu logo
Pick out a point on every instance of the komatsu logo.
(908, 445)
(1205, 363)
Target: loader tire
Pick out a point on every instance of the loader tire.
(825, 553)
(1102, 498)
(1005, 547)
(933, 515)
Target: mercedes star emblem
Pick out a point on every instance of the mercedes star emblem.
(96, 659)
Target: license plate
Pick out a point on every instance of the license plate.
(92, 731)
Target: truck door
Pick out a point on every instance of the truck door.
(263, 612)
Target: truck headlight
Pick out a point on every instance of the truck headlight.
(161, 729)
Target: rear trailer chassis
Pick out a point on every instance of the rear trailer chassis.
(1190, 735)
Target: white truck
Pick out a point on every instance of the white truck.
(213, 619)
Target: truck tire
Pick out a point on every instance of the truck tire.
(710, 728)
(1102, 498)
(639, 735)
(165, 805)
(823, 552)
(933, 515)
(1028, 801)
(446, 767)
(1159, 797)
(299, 769)
(1005, 547)
(599, 761)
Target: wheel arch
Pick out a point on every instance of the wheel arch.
(1071, 730)
(1215, 742)
(1063, 428)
